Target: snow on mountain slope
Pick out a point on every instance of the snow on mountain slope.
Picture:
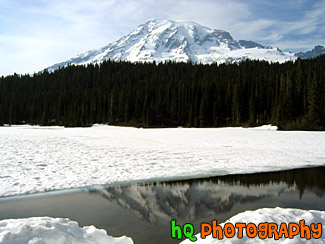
(162, 40)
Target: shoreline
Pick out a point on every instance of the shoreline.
(171, 181)
(244, 126)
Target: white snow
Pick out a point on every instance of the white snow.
(38, 230)
(180, 41)
(276, 215)
(37, 159)
(265, 127)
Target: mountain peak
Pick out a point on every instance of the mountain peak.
(173, 22)
(316, 51)
(181, 41)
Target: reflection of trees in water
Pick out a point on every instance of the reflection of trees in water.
(197, 198)
(306, 178)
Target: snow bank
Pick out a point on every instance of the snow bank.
(38, 159)
(276, 215)
(265, 127)
(48, 230)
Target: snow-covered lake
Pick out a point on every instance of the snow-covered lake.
(38, 159)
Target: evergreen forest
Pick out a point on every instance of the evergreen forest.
(290, 95)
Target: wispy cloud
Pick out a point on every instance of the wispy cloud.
(308, 28)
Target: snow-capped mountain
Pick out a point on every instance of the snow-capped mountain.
(316, 51)
(162, 40)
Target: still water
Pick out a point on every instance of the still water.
(144, 211)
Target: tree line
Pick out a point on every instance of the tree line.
(290, 95)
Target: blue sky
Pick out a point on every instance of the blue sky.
(35, 34)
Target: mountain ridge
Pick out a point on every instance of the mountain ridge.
(315, 52)
(181, 41)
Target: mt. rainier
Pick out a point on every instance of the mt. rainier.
(162, 40)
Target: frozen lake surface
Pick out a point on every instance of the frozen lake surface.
(38, 159)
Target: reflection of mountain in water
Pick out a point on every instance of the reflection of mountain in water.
(195, 199)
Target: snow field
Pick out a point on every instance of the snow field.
(38, 230)
(37, 159)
